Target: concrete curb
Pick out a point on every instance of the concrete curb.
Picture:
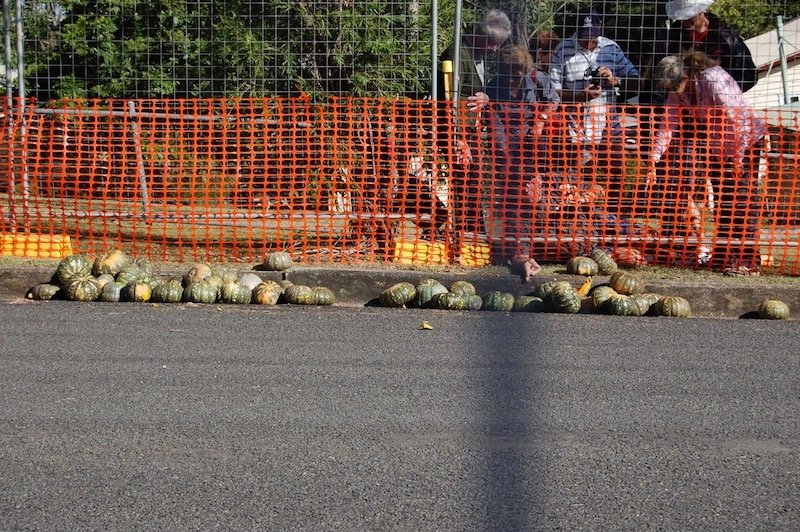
(360, 287)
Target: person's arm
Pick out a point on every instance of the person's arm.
(663, 136)
(622, 73)
(737, 126)
(739, 61)
(580, 92)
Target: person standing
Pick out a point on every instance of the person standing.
(695, 28)
(705, 103)
(515, 120)
(478, 42)
(541, 47)
(591, 72)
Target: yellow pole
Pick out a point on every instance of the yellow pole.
(447, 68)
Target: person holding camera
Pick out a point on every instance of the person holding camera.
(592, 74)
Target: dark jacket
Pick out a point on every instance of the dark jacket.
(470, 80)
(723, 45)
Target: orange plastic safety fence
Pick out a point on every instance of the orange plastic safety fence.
(387, 180)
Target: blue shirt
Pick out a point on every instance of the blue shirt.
(570, 72)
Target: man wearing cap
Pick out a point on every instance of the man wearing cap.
(694, 28)
(590, 71)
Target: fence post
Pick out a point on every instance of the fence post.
(137, 144)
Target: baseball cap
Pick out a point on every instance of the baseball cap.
(591, 25)
(686, 9)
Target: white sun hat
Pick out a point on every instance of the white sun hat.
(686, 9)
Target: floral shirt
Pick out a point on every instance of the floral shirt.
(720, 112)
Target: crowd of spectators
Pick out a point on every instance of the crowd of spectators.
(585, 77)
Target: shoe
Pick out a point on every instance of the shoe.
(703, 255)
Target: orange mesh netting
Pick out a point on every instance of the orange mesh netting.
(374, 180)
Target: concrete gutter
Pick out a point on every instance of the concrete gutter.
(360, 287)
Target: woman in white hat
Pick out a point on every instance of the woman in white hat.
(695, 28)
(706, 111)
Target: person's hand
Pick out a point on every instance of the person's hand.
(478, 101)
(593, 91)
(651, 178)
(606, 73)
(533, 188)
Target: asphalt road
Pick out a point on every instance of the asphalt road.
(175, 417)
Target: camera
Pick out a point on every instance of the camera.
(593, 75)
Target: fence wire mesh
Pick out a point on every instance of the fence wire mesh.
(222, 130)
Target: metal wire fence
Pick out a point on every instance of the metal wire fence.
(224, 130)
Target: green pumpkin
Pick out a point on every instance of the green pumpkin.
(299, 294)
(43, 292)
(72, 267)
(130, 274)
(136, 292)
(543, 290)
(227, 275)
(606, 265)
(200, 292)
(449, 301)
(601, 294)
(773, 309)
(153, 281)
(169, 291)
(672, 306)
(111, 292)
(233, 293)
(425, 292)
(85, 288)
(111, 263)
(528, 303)
(564, 298)
(626, 283)
(215, 281)
(622, 305)
(463, 288)
(498, 301)
(197, 273)
(277, 261)
(398, 295)
(582, 266)
(267, 293)
(645, 301)
(322, 296)
(474, 302)
(104, 278)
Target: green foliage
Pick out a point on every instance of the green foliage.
(754, 17)
(170, 49)
(123, 48)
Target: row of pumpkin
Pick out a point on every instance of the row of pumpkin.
(115, 277)
(623, 295)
